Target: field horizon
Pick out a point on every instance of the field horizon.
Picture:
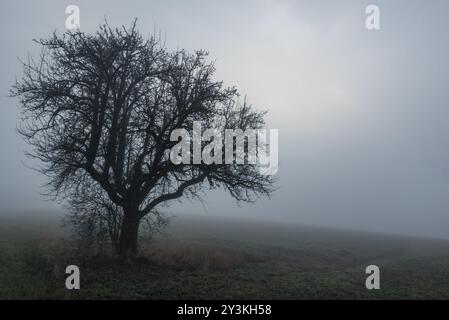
(207, 257)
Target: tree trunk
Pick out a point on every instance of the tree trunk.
(127, 247)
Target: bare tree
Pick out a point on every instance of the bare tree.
(99, 108)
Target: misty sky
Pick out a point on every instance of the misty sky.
(362, 115)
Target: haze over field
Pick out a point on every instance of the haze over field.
(362, 115)
(213, 257)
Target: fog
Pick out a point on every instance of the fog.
(362, 114)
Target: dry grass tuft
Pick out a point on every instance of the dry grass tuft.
(194, 257)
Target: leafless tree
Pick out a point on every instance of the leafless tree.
(99, 108)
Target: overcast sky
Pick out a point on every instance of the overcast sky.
(362, 115)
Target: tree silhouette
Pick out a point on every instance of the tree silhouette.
(98, 110)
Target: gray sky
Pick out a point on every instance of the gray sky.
(362, 115)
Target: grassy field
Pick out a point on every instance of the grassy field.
(212, 258)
